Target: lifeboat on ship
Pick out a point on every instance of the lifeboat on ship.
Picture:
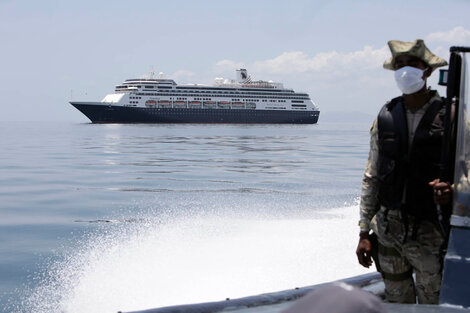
(150, 103)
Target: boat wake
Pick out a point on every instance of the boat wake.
(188, 259)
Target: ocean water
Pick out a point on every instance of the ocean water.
(103, 218)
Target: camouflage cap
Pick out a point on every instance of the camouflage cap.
(415, 48)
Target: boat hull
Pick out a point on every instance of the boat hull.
(98, 112)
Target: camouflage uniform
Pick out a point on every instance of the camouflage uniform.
(400, 253)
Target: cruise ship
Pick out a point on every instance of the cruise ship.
(161, 100)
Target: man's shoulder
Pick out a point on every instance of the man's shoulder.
(435, 96)
(391, 103)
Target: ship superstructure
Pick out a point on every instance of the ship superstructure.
(161, 100)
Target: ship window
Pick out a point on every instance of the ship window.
(149, 87)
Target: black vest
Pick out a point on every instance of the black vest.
(404, 174)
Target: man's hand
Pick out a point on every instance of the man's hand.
(442, 192)
(364, 249)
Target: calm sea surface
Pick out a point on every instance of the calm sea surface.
(101, 218)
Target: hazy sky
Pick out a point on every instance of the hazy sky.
(334, 50)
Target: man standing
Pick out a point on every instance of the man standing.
(400, 186)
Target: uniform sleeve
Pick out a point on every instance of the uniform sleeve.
(369, 204)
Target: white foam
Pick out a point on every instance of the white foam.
(134, 266)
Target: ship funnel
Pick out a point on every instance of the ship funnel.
(242, 76)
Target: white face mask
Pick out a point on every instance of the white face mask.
(409, 79)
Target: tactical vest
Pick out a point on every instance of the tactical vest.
(404, 173)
